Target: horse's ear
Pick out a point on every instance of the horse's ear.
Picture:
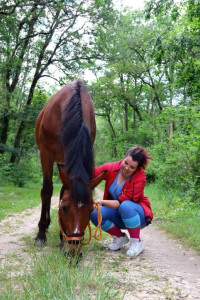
(95, 181)
(64, 178)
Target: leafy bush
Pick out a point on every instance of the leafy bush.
(176, 165)
(27, 170)
(18, 174)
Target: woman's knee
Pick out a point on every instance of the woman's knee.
(125, 204)
(129, 209)
(126, 209)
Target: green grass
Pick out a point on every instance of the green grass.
(14, 199)
(47, 274)
(50, 275)
(177, 216)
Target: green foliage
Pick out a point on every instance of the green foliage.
(178, 216)
(19, 173)
(53, 275)
(147, 93)
(28, 169)
(176, 160)
(34, 36)
(14, 199)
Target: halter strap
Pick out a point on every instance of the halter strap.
(80, 238)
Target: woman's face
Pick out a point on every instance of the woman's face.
(128, 166)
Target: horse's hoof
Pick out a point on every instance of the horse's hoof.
(39, 243)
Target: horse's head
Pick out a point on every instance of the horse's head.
(73, 215)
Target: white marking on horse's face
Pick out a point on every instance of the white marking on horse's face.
(80, 204)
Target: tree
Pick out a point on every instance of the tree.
(181, 43)
(153, 67)
(36, 35)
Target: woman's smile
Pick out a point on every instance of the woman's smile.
(128, 166)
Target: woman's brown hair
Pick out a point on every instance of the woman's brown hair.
(140, 155)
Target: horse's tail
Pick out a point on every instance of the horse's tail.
(78, 148)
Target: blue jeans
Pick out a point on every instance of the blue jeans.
(128, 213)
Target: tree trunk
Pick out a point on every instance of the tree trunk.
(126, 116)
(4, 124)
(113, 136)
(4, 131)
(138, 113)
(134, 118)
(171, 118)
(121, 122)
(23, 122)
(18, 137)
(152, 104)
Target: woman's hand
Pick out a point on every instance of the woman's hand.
(109, 203)
(98, 201)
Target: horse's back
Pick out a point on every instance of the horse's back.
(48, 124)
(87, 110)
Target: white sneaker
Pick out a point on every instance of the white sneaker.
(118, 242)
(136, 247)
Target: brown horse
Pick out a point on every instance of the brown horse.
(65, 132)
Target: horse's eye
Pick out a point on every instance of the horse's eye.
(64, 207)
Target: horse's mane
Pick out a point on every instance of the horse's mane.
(78, 148)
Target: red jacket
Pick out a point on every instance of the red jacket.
(133, 189)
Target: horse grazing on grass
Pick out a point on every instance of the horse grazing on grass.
(65, 132)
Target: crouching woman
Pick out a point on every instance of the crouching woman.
(124, 205)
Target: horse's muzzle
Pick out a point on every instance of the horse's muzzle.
(74, 242)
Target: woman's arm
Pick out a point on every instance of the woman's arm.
(109, 203)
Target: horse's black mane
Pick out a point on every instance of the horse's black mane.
(78, 148)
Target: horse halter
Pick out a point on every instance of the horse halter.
(80, 238)
(67, 237)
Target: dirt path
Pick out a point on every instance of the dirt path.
(24, 223)
(165, 270)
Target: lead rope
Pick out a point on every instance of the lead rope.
(98, 228)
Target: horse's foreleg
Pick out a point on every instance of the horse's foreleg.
(46, 194)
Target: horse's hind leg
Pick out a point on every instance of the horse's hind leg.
(46, 193)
